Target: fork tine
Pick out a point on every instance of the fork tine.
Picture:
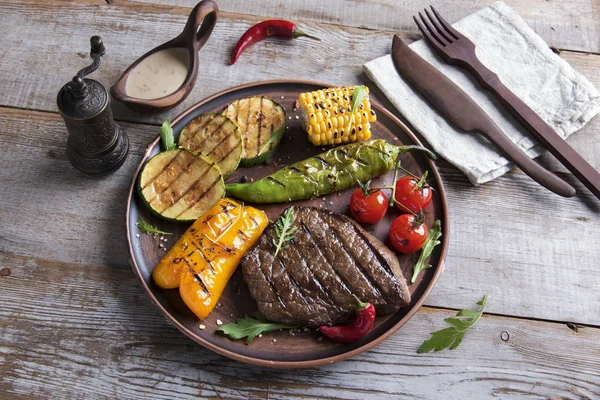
(428, 33)
(446, 25)
(437, 28)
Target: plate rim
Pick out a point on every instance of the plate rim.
(288, 364)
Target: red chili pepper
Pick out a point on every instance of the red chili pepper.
(365, 316)
(270, 28)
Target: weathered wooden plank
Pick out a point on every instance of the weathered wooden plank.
(31, 78)
(48, 207)
(73, 331)
(572, 25)
(529, 249)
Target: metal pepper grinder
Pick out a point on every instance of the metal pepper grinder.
(96, 144)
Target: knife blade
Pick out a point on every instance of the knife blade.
(458, 108)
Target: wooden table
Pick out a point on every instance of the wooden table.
(74, 322)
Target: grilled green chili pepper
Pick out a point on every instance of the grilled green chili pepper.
(337, 169)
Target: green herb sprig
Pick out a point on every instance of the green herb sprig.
(166, 135)
(250, 328)
(452, 336)
(284, 230)
(358, 94)
(432, 240)
(149, 229)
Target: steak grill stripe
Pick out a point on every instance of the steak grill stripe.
(316, 279)
(359, 267)
(322, 253)
(272, 287)
(293, 281)
(365, 270)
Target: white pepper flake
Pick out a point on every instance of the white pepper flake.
(219, 322)
(202, 326)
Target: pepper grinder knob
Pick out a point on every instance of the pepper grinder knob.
(97, 45)
(96, 144)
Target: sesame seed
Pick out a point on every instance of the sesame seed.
(282, 97)
(160, 245)
(290, 117)
(137, 235)
(297, 117)
(219, 322)
(274, 340)
(165, 240)
(202, 326)
(260, 335)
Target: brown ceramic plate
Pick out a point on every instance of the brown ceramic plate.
(304, 349)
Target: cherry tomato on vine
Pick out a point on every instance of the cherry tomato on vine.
(411, 196)
(407, 234)
(368, 209)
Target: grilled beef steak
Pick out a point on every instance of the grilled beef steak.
(312, 281)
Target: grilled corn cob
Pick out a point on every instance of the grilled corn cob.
(327, 116)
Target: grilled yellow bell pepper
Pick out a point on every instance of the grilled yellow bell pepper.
(207, 254)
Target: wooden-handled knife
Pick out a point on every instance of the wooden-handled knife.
(458, 108)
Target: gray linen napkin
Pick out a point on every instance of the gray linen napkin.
(563, 98)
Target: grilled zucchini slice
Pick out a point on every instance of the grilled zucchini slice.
(217, 137)
(179, 185)
(262, 124)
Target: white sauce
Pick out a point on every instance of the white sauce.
(159, 74)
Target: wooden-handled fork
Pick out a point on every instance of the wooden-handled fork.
(454, 48)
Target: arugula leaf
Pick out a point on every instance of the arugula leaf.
(166, 135)
(250, 328)
(284, 230)
(432, 240)
(358, 94)
(452, 337)
(149, 229)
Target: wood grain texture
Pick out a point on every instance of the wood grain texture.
(529, 249)
(129, 29)
(121, 348)
(572, 25)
